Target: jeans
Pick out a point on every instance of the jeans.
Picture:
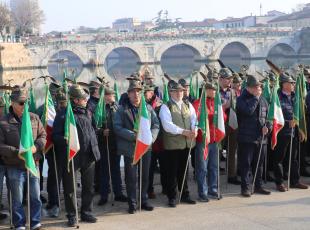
(131, 178)
(248, 155)
(206, 170)
(87, 171)
(176, 161)
(115, 175)
(51, 185)
(17, 178)
(2, 174)
(281, 156)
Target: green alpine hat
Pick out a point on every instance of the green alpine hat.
(77, 92)
(19, 94)
(252, 81)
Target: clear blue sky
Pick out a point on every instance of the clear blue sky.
(68, 14)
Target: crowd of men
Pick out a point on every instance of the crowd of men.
(175, 135)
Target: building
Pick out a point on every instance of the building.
(295, 20)
(208, 22)
(126, 24)
(235, 23)
(263, 20)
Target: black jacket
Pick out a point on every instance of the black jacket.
(87, 137)
(287, 106)
(252, 117)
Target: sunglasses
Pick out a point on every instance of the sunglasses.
(21, 103)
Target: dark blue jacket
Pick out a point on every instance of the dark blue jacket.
(287, 106)
(252, 117)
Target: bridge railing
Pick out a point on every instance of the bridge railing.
(99, 39)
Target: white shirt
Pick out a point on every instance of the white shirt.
(166, 119)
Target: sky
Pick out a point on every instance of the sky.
(64, 15)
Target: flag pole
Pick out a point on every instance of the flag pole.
(299, 155)
(109, 168)
(75, 196)
(266, 165)
(57, 181)
(186, 167)
(290, 162)
(10, 207)
(256, 169)
(140, 190)
(28, 199)
(218, 173)
(227, 159)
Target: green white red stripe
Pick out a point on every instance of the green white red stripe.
(71, 134)
(275, 115)
(144, 138)
(203, 123)
(48, 118)
(26, 143)
(218, 119)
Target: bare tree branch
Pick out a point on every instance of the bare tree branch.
(5, 18)
(28, 17)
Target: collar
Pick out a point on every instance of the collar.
(286, 94)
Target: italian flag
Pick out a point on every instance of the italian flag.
(275, 115)
(218, 119)
(203, 123)
(48, 117)
(26, 143)
(233, 121)
(144, 138)
(71, 134)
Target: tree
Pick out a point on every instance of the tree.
(28, 17)
(5, 18)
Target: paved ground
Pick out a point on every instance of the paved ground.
(289, 210)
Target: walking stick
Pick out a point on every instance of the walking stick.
(266, 165)
(109, 168)
(227, 157)
(57, 181)
(256, 169)
(140, 190)
(290, 162)
(299, 156)
(218, 174)
(28, 199)
(188, 156)
(75, 197)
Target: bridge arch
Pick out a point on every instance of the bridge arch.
(234, 54)
(180, 60)
(122, 61)
(62, 60)
(196, 47)
(282, 54)
(83, 56)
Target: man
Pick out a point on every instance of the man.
(84, 161)
(2, 166)
(178, 119)
(59, 99)
(252, 110)
(282, 149)
(106, 137)
(124, 124)
(149, 80)
(236, 84)
(227, 94)
(10, 126)
(91, 106)
(155, 102)
(186, 87)
(207, 170)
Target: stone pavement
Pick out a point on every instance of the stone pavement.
(289, 210)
